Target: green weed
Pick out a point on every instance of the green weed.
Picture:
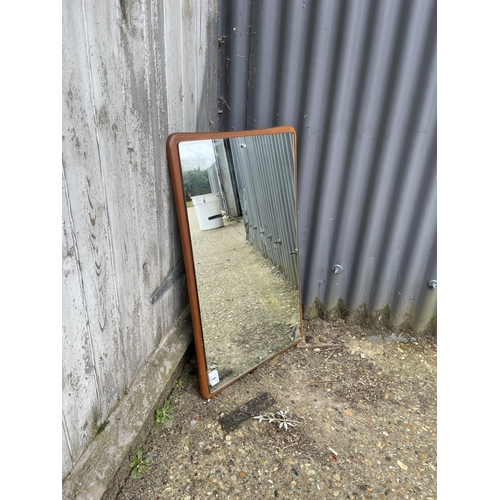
(139, 465)
(166, 412)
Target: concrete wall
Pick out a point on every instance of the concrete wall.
(133, 72)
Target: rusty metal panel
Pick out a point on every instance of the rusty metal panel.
(357, 80)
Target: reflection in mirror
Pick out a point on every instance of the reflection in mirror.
(239, 194)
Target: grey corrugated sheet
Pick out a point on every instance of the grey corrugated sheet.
(264, 174)
(357, 80)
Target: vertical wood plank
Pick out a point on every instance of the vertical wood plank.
(88, 223)
(80, 399)
(174, 65)
(134, 51)
(168, 242)
(67, 460)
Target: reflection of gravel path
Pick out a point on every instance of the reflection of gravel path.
(249, 311)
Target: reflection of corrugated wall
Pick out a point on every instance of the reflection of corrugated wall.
(357, 80)
(264, 171)
(215, 187)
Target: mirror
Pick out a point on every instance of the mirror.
(235, 195)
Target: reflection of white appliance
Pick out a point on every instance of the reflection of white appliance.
(208, 211)
(213, 377)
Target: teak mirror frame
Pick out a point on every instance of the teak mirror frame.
(179, 197)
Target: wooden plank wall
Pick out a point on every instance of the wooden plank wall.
(133, 72)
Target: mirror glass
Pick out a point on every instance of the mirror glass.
(239, 195)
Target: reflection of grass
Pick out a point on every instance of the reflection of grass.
(189, 204)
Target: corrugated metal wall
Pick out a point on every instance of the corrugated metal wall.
(133, 72)
(357, 80)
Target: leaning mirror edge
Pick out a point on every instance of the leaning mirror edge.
(173, 158)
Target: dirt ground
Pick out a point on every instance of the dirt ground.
(362, 404)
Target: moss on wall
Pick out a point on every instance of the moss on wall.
(383, 317)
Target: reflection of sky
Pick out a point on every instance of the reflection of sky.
(196, 154)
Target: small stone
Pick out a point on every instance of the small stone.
(336, 493)
(402, 465)
(317, 349)
(228, 437)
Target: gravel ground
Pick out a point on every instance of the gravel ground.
(362, 404)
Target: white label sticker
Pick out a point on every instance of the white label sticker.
(213, 377)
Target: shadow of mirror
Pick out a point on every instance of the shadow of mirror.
(238, 197)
